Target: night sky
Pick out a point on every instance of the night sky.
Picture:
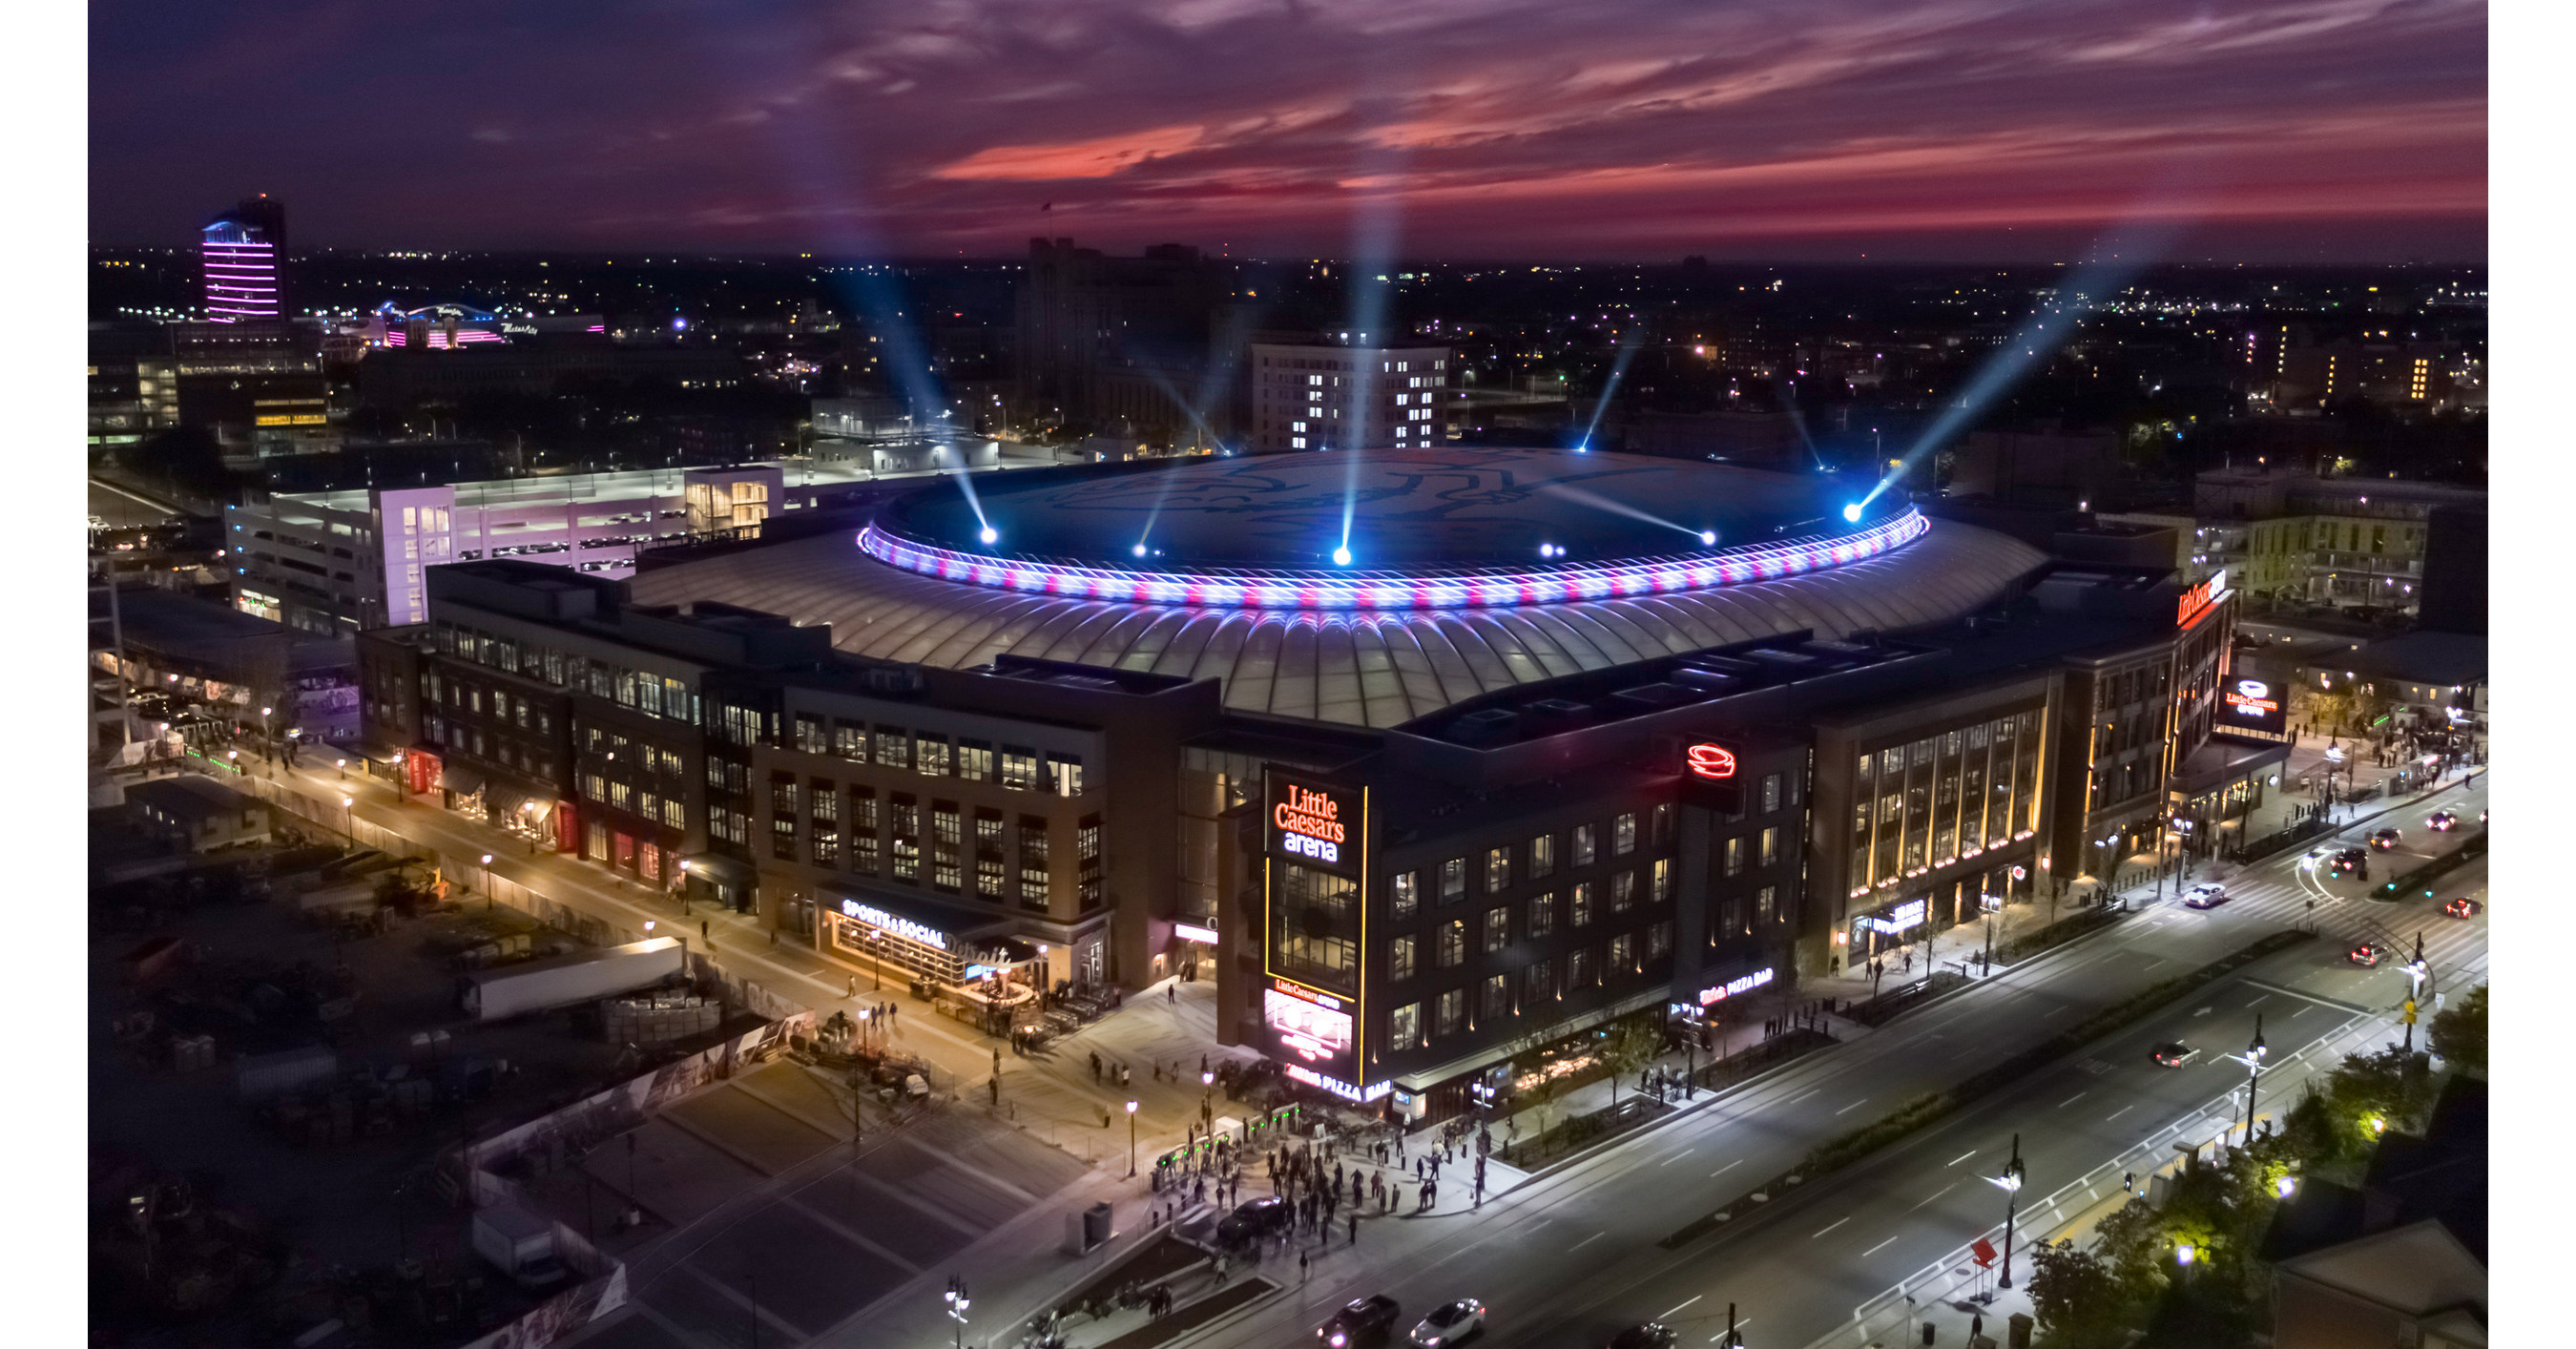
(2323, 130)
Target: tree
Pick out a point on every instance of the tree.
(2459, 1034)
(2078, 1299)
(2388, 1087)
(1630, 1047)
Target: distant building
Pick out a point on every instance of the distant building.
(2037, 468)
(2347, 542)
(240, 251)
(196, 815)
(2454, 597)
(2292, 371)
(1335, 393)
(1142, 341)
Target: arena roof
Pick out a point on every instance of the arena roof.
(1354, 668)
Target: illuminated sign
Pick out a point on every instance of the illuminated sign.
(1193, 932)
(2254, 704)
(1316, 1027)
(1735, 987)
(1313, 822)
(901, 927)
(1712, 761)
(1337, 1086)
(1902, 917)
(2197, 600)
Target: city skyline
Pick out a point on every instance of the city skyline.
(2338, 132)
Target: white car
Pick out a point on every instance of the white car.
(1451, 1323)
(2206, 895)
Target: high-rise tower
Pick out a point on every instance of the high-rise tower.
(241, 249)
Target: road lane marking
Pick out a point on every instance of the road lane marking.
(1937, 1194)
(1802, 1095)
(2072, 1099)
(1674, 1158)
(2258, 1000)
(2119, 1112)
(1853, 1106)
(1740, 1323)
(1832, 1225)
(1726, 1168)
(1961, 1157)
(1668, 1315)
(1587, 1241)
(1876, 1249)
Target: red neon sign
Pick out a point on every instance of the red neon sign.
(1712, 761)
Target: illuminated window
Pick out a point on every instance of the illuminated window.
(1452, 1013)
(1453, 880)
(1404, 1027)
(1498, 928)
(1399, 959)
(1623, 835)
(1542, 915)
(1498, 870)
(1582, 850)
(1408, 896)
(1542, 856)
(1453, 943)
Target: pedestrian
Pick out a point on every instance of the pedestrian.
(1301, 1266)
(1170, 994)
(1095, 1065)
(702, 930)
(1355, 1229)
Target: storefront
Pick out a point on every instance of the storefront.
(978, 974)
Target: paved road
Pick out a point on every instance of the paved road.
(1574, 1255)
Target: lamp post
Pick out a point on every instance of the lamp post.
(957, 1304)
(343, 766)
(487, 882)
(349, 819)
(1131, 1140)
(2010, 1183)
(1207, 1096)
(2252, 1058)
(267, 736)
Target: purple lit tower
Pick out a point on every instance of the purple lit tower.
(241, 249)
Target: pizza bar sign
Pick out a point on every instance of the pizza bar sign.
(1715, 762)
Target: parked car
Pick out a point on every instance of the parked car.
(1451, 1323)
(1651, 1335)
(2206, 895)
(2175, 1054)
(2384, 839)
(2463, 907)
(1365, 1321)
(2442, 821)
(2368, 953)
(1252, 1218)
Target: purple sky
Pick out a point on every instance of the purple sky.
(2317, 130)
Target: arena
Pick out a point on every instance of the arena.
(1366, 589)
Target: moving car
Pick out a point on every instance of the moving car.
(2441, 821)
(1252, 1218)
(1451, 1323)
(2384, 839)
(2368, 953)
(1651, 1335)
(1365, 1321)
(2175, 1054)
(2350, 862)
(2206, 895)
(2463, 907)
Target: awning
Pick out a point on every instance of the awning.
(373, 749)
(461, 781)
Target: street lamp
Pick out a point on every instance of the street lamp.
(349, 820)
(2010, 1183)
(2418, 974)
(1131, 1140)
(2252, 1058)
(487, 882)
(268, 737)
(957, 1304)
(343, 766)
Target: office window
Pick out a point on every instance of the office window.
(1498, 928)
(1770, 792)
(1086, 860)
(1623, 835)
(1542, 856)
(1542, 915)
(947, 830)
(1766, 904)
(1623, 953)
(863, 810)
(930, 755)
(1662, 886)
(849, 738)
(1407, 896)
(1659, 940)
(1498, 870)
(1580, 971)
(810, 735)
(1733, 852)
(1064, 774)
(1452, 1012)
(1453, 943)
(894, 747)
(1400, 958)
(1623, 892)
(1033, 861)
(974, 761)
(1770, 845)
(1497, 999)
(823, 825)
(674, 814)
(1019, 768)
(1453, 880)
(1404, 1027)
(1582, 849)
(1538, 985)
(903, 823)
(1662, 833)
(1582, 916)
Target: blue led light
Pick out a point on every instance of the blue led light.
(1341, 557)
(1708, 538)
(1852, 512)
(990, 535)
